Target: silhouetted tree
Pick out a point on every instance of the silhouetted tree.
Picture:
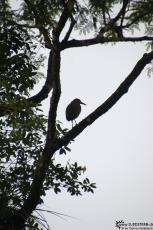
(28, 139)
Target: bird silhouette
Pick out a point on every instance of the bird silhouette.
(73, 110)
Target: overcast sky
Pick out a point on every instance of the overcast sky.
(117, 149)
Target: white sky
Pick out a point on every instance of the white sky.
(117, 149)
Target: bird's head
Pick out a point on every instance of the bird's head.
(77, 100)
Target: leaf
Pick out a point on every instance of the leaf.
(68, 149)
(57, 190)
(93, 185)
(62, 151)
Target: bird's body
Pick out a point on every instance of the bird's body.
(73, 110)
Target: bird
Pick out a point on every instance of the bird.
(73, 110)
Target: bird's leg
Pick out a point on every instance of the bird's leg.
(72, 123)
(75, 122)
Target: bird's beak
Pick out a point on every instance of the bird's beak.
(82, 103)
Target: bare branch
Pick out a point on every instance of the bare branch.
(122, 11)
(101, 40)
(125, 5)
(43, 94)
(108, 104)
(67, 12)
(69, 31)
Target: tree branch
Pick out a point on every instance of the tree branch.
(43, 94)
(112, 21)
(69, 31)
(122, 10)
(64, 17)
(108, 104)
(124, 6)
(36, 187)
(101, 40)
